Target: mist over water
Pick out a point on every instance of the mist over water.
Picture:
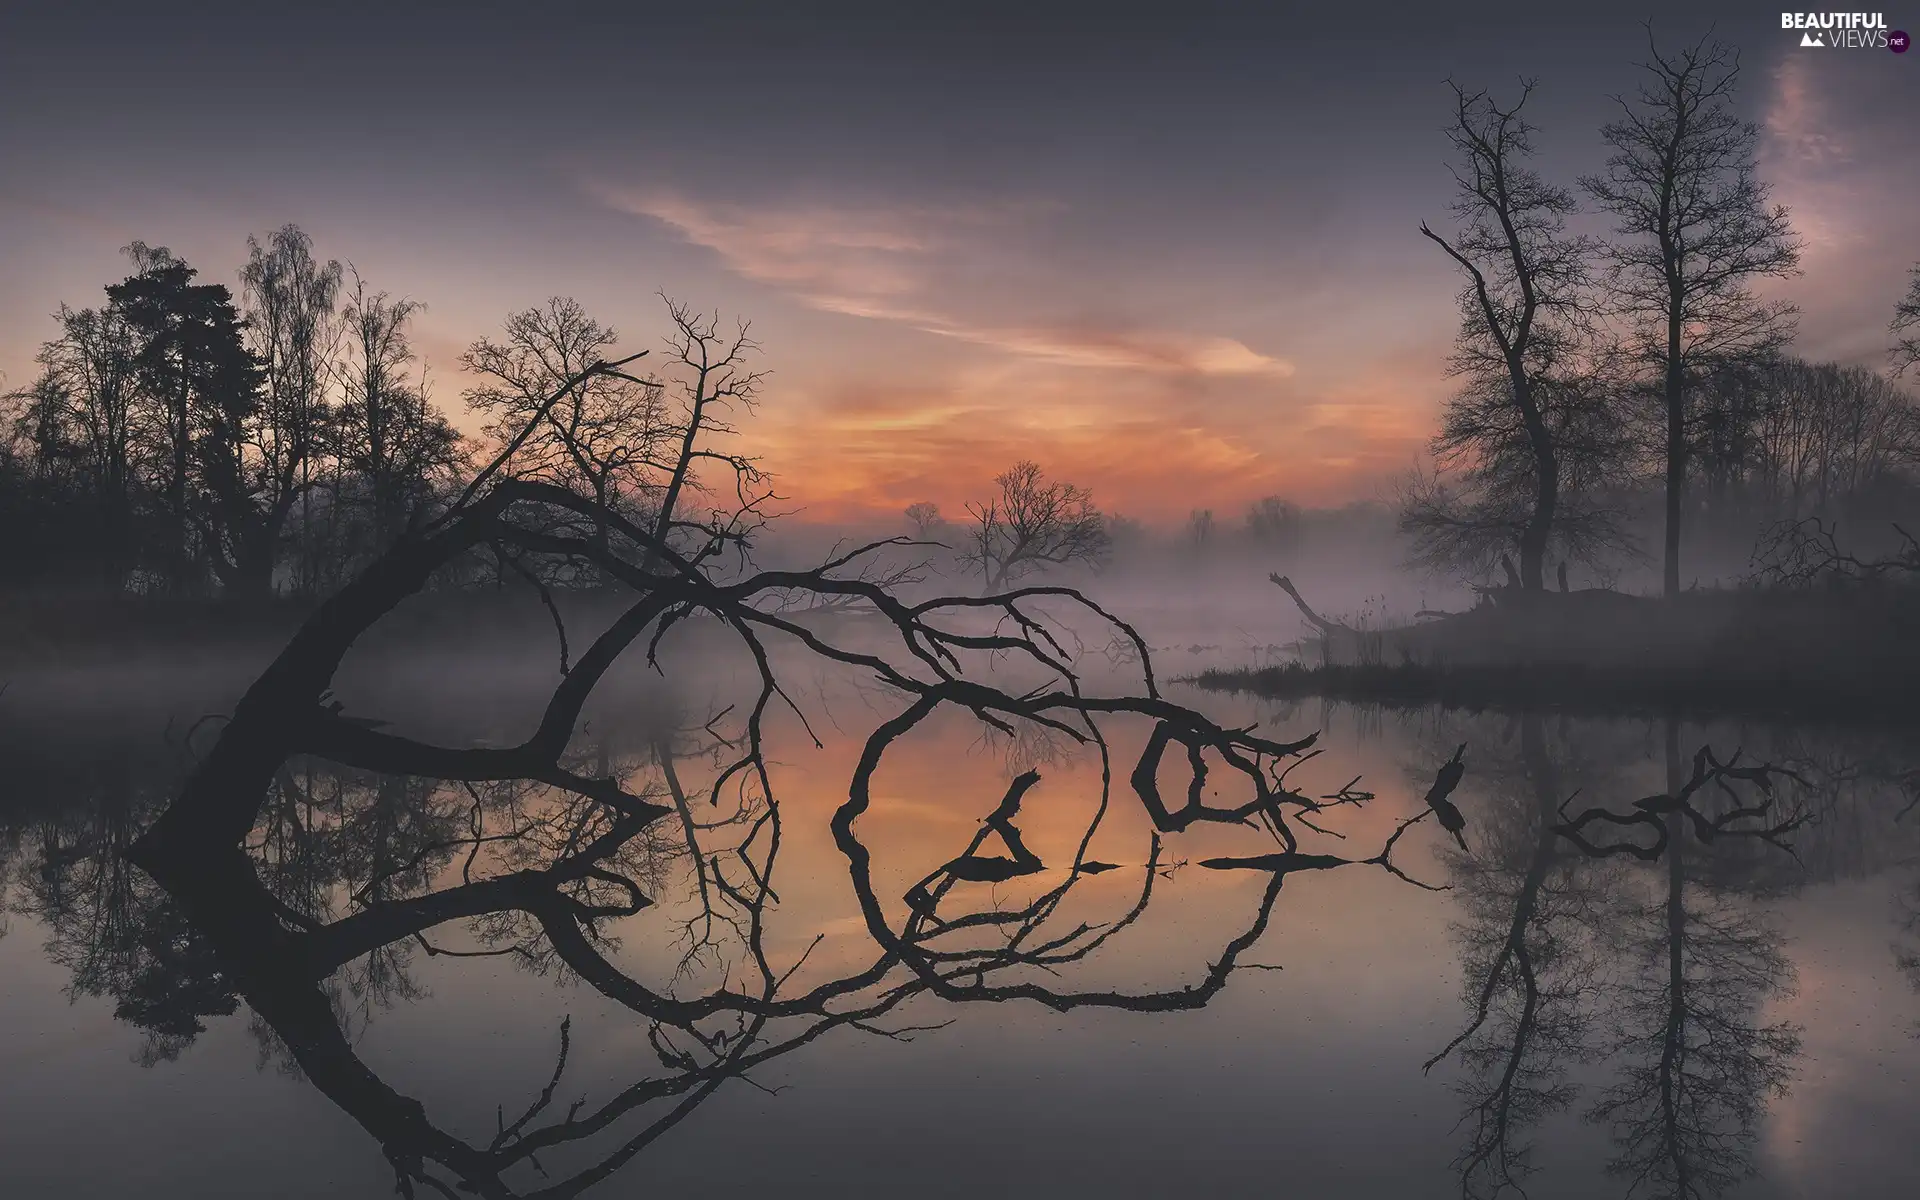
(1313, 1070)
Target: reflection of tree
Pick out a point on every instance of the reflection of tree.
(1530, 904)
(533, 872)
(1691, 968)
(109, 926)
(1699, 1066)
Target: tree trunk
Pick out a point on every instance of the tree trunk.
(1546, 471)
(1676, 395)
(1533, 540)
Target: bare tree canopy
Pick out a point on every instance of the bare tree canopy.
(1034, 522)
(1906, 328)
(395, 452)
(924, 516)
(1520, 310)
(1695, 232)
(291, 303)
(605, 432)
(643, 447)
(1272, 521)
(1475, 508)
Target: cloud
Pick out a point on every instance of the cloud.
(1808, 162)
(1145, 444)
(890, 264)
(1143, 350)
(854, 261)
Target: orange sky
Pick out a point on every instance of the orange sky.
(1184, 272)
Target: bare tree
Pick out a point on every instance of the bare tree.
(604, 432)
(84, 408)
(393, 450)
(1478, 505)
(1033, 523)
(925, 516)
(1695, 232)
(1526, 276)
(1273, 521)
(1200, 528)
(642, 447)
(1906, 328)
(291, 304)
(715, 385)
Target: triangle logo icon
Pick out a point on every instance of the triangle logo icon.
(1812, 39)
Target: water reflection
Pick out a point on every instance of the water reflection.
(1624, 971)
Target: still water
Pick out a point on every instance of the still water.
(965, 985)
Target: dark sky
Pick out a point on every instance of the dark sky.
(1146, 244)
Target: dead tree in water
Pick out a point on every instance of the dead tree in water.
(1330, 631)
(935, 656)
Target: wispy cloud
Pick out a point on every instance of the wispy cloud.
(888, 264)
(1138, 350)
(1807, 159)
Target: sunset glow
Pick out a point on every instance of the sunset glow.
(1183, 271)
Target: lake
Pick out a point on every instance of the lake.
(963, 984)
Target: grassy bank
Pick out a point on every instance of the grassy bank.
(1851, 653)
(1579, 691)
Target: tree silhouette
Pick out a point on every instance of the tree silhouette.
(1572, 962)
(924, 515)
(201, 393)
(1695, 233)
(1033, 522)
(294, 329)
(1520, 311)
(395, 454)
(83, 415)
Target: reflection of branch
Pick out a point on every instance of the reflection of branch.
(578, 844)
(1514, 1079)
(1684, 1107)
(1653, 811)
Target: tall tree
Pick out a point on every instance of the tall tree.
(1695, 232)
(392, 448)
(1470, 514)
(199, 389)
(1525, 279)
(83, 411)
(291, 303)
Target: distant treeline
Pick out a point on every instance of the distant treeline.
(181, 441)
